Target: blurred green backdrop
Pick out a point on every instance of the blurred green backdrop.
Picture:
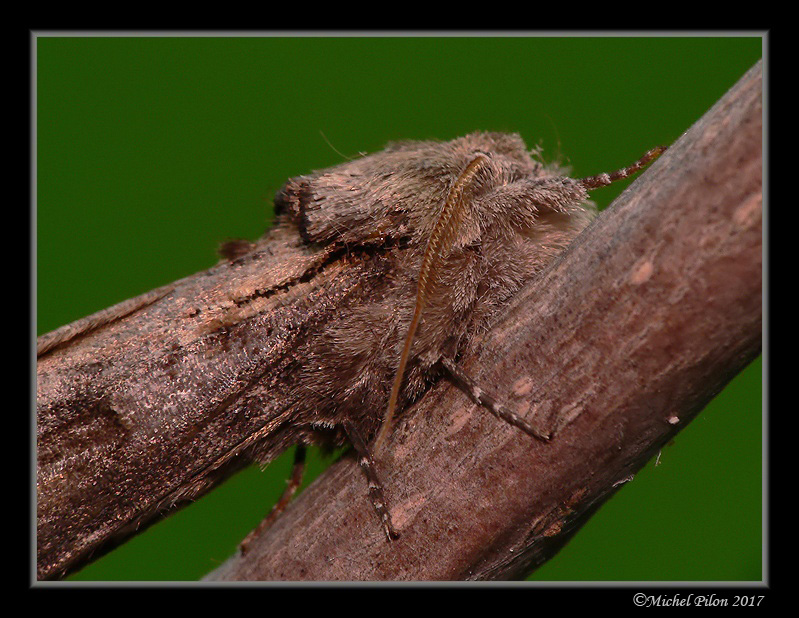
(150, 151)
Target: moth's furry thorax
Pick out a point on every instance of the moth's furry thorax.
(517, 215)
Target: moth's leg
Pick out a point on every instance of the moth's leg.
(292, 485)
(480, 397)
(367, 463)
(603, 180)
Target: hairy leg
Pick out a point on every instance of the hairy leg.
(489, 402)
(292, 485)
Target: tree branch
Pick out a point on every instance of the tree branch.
(618, 346)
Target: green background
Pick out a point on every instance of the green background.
(150, 151)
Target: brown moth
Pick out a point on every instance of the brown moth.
(378, 273)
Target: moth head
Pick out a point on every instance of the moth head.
(398, 193)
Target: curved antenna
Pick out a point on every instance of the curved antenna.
(438, 247)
